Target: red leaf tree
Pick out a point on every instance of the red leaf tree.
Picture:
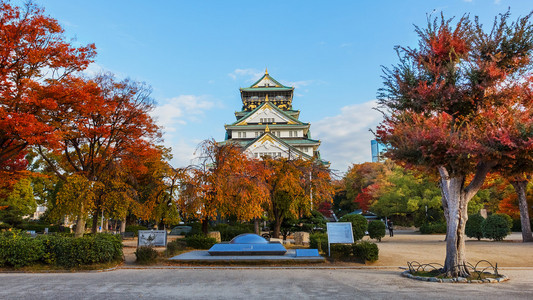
(441, 101)
(102, 124)
(32, 48)
(33, 51)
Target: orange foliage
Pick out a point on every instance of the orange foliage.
(32, 45)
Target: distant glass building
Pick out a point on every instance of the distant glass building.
(377, 151)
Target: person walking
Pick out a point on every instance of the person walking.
(390, 225)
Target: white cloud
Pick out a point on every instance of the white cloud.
(181, 110)
(250, 75)
(94, 69)
(346, 136)
(300, 84)
(174, 115)
(182, 153)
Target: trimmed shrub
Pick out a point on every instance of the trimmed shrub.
(429, 228)
(497, 226)
(359, 225)
(37, 227)
(67, 251)
(175, 246)
(228, 232)
(376, 230)
(145, 255)
(366, 251)
(18, 249)
(474, 226)
(341, 251)
(200, 241)
(318, 241)
(517, 225)
(135, 229)
(196, 228)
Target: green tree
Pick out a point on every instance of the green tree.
(474, 226)
(359, 225)
(406, 193)
(18, 202)
(376, 230)
(76, 200)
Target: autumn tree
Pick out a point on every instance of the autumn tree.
(296, 188)
(225, 182)
(440, 103)
(102, 123)
(157, 186)
(82, 190)
(33, 50)
(511, 132)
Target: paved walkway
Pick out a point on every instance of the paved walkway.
(259, 283)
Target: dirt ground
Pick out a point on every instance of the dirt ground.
(409, 245)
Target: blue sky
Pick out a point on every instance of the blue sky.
(197, 54)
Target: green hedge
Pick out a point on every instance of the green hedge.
(376, 230)
(228, 232)
(497, 226)
(429, 228)
(341, 251)
(145, 255)
(318, 241)
(200, 241)
(175, 246)
(41, 227)
(359, 225)
(366, 251)
(135, 229)
(18, 249)
(474, 226)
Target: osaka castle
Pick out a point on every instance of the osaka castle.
(268, 125)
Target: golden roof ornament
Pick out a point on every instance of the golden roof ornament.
(266, 71)
(267, 129)
(266, 98)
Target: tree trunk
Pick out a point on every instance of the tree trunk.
(256, 226)
(161, 225)
(205, 223)
(123, 225)
(520, 189)
(94, 227)
(80, 227)
(455, 262)
(277, 227)
(455, 199)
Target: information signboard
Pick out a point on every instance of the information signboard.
(152, 238)
(339, 233)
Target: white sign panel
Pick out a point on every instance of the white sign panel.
(152, 238)
(340, 233)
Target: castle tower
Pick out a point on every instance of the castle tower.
(267, 124)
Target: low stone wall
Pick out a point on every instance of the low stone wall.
(301, 238)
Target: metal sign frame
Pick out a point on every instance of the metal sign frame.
(339, 233)
(156, 238)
